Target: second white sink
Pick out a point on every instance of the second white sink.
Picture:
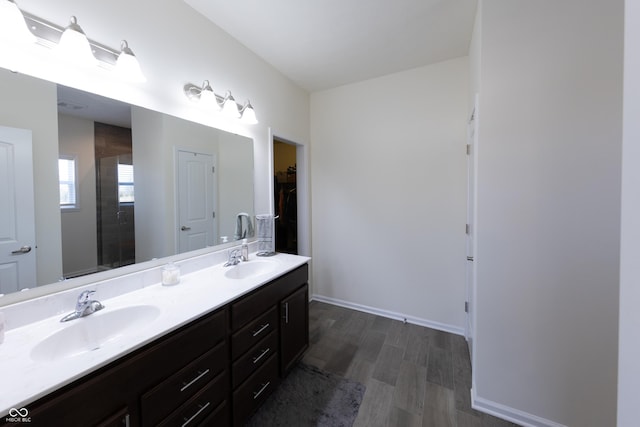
(249, 269)
(91, 332)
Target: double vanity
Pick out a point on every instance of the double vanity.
(207, 351)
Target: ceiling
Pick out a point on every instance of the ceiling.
(329, 43)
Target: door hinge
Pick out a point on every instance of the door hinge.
(468, 149)
(467, 228)
(466, 306)
(213, 214)
(213, 169)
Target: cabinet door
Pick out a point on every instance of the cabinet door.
(294, 328)
(119, 419)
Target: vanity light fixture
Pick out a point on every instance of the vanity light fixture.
(74, 45)
(70, 42)
(226, 105)
(248, 114)
(13, 26)
(229, 106)
(207, 96)
(127, 65)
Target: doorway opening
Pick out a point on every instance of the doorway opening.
(115, 201)
(285, 196)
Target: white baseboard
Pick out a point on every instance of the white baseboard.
(390, 314)
(510, 414)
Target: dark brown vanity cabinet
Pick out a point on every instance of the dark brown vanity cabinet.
(270, 332)
(215, 371)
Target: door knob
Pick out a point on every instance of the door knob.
(22, 250)
(185, 228)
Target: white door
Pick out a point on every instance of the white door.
(471, 200)
(17, 215)
(196, 214)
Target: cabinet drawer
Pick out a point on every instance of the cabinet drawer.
(252, 333)
(249, 306)
(254, 358)
(200, 406)
(220, 417)
(179, 387)
(248, 397)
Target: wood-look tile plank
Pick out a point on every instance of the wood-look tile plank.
(401, 418)
(317, 328)
(398, 334)
(409, 393)
(417, 349)
(467, 420)
(370, 346)
(381, 324)
(376, 405)
(440, 367)
(439, 407)
(341, 359)
(440, 339)
(360, 370)
(462, 395)
(388, 364)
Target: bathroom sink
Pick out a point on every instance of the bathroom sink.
(91, 332)
(248, 269)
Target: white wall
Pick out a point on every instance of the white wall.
(549, 210)
(30, 100)
(629, 350)
(389, 192)
(78, 225)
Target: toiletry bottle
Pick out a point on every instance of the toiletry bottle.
(245, 250)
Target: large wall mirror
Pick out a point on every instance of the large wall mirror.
(116, 184)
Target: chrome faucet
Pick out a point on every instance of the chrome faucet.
(84, 307)
(235, 256)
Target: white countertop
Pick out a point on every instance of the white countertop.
(24, 380)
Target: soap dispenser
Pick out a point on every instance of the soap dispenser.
(245, 250)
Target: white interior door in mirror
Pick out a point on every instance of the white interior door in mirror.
(196, 214)
(17, 230)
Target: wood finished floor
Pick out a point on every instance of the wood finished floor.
(415, 376)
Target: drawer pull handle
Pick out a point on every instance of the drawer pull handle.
(264, 353)
(126, 421)
(202, 408)
(259, 392)
(190, 383)
(259, 331)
